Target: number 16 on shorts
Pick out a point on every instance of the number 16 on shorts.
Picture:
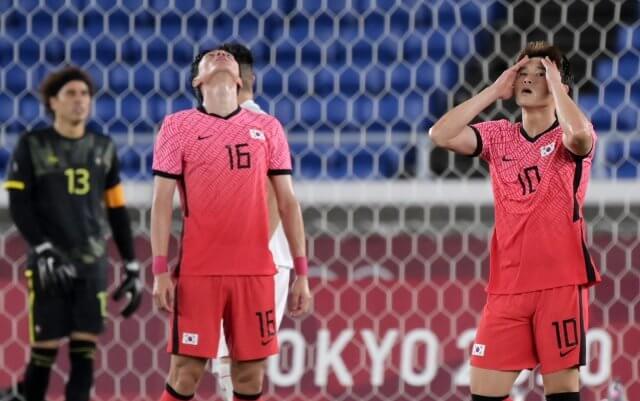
(267, 324)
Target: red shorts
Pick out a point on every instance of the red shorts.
(244, 303)
(544, 327)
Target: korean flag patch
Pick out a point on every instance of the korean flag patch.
(547, 149)
(190, 338)
(478, 350)
(255, 134)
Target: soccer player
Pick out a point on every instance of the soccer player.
(64, 185)
(219, 156)
(278, 244)
(536, 309)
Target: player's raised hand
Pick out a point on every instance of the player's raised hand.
(505, 82)
(163, 291)
(299, 297)
(552, 73)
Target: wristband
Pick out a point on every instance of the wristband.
(300, 265)
(159, 265)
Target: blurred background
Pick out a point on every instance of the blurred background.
(397, 230)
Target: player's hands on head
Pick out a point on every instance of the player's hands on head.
(163, 291)
(53, 272)
(131, 286)
(552, 73)
(503, 86)
(299, 297)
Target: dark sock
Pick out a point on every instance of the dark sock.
(81, 355)
(563, 397)
(36, 377)
(170, 394)
(475, 397)
(246, 397)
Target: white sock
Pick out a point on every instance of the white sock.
(225, 385)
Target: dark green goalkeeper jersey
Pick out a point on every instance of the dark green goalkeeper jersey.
(66, 180)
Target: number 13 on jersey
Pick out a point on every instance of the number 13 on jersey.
(78, 181)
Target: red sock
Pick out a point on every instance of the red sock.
(247, 397)
(169, 394)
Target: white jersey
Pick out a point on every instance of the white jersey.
(278, 244)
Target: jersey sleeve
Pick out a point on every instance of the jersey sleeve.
(279, 155)
(488, 133)
(113, 174)
(20, 175)
(168, 150)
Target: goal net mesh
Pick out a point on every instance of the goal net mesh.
(397, 231)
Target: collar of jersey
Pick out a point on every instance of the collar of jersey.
(228, 116)
(535, 138)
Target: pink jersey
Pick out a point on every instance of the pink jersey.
(539, 188)
(222, 165)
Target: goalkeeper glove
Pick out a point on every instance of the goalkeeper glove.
(131, 286)
(54, 274)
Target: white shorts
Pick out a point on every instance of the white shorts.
(282, 291)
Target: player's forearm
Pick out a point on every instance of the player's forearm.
(121, 230)
(575, 125)
(455, 120)
(161, 213)
(293, 225)
(24, 217)
(272, 204)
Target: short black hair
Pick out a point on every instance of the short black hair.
(544, 49)
(56, 80)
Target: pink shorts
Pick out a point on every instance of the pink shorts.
(520, 331)
(246, 304)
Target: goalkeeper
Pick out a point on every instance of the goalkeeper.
(64, 185)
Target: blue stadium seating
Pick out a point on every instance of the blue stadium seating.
(378, 76)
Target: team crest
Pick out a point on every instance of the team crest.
(52, 159)
(255, 134)
(547, 149)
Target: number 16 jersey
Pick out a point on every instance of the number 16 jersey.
(539, 188)
(221, 165)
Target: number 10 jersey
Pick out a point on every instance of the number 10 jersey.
(539, 188)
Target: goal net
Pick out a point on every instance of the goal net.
(397, 231)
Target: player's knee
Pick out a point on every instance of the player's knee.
(185, 374)
(568, 396)
(562, 382)
(43, 357)
(476, 397)
(247, 376)
(82, 349)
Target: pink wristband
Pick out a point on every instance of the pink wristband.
(159, 265)
(300, 265)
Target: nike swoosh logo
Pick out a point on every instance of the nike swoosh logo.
(267, 341)
(204, 137)
(506, 159)
(563, 354)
